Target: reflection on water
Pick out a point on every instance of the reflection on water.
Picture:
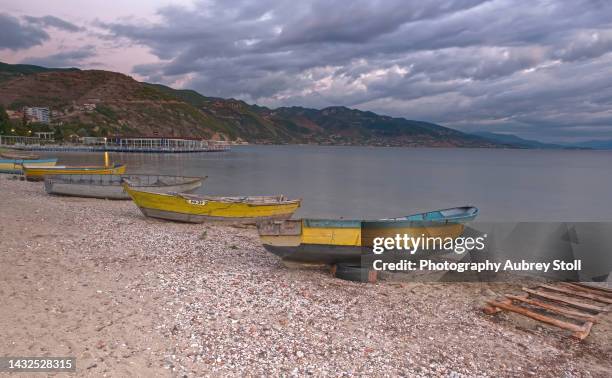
(367, 182)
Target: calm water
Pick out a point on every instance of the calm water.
(367, 182)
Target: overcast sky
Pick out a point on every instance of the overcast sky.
(538, 69)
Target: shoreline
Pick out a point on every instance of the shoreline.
(84, 148)
(128, 295)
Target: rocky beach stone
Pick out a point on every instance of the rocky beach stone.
(137, 296)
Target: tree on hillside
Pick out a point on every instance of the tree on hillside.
(5, 124)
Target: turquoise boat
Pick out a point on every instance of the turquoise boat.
(453, 215)
(463, 214)
(16, 165)
(341, 240)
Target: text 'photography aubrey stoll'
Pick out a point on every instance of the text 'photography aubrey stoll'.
(493, 251)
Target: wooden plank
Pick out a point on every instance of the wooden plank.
(593, 297)
(569, 313)
(594, 287)
(567, 301)
(543, 318)
(491, 310)
(586, 289)
(581, 335)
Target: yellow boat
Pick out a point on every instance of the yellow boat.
(34, 173)
(190, 208)
(16, 165)
(332, 241)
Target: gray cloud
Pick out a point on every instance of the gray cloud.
(540, 69)
(15, 35)
(64, 59)
(353, 22)
(52, 21)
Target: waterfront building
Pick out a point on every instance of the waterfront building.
(37, 114)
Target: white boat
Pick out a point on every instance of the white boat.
(110, 186)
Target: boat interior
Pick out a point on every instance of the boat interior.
(133, 179)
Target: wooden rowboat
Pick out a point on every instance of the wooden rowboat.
(16, 165)
(35, 173)
(461, 214)
(111, 186)
(331, 241)
(183, 207)
(19, 155)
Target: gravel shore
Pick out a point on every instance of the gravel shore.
(128, 295)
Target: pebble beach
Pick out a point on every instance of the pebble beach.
(129, 295)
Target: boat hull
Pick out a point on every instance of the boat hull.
(317, 253)
(110, 186)
(180, 208)
(16, 165)
(331, 250)
(37, 173)
(371, 230)
(19, 156)
(334, 241)
(197, 218)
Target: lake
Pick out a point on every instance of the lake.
(375, 182)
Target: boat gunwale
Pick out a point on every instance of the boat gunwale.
(15, 166)
(72, 167)
(389, 222)
(8, 154)
(29, 161)
(221, 199)
(58, 178)
(465, 216)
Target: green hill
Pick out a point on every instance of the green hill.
(124, 106)
(10, 71)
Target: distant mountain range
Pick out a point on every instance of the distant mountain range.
(104, 103)
(515, 140)
(527, 143)
(595, 144)
(124, 106)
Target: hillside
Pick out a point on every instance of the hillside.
(517, 141)
(102, 103)
(11, 71)
(595, 144)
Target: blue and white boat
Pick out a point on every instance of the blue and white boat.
(15, 166)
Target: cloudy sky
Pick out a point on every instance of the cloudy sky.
(538, 69)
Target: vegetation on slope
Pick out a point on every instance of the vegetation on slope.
(125, 106)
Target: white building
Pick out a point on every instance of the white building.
(93, 140)
(36, 114)
(45, 135)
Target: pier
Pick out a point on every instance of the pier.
(116, 144)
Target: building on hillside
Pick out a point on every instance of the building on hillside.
(86, 107)
(45, 135)
(93, 140)
(37, 114)
(14, 114)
